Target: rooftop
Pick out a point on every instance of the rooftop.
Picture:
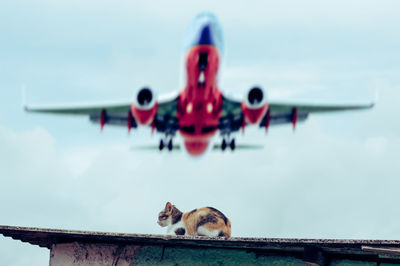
(306, 249)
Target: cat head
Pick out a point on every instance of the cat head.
(165, 216)
(170, 215)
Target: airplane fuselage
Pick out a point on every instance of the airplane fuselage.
(200, 103)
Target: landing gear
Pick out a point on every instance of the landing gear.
(228, 142)
(170, 145)
(223, 145)
(233, 144)
(166, 142)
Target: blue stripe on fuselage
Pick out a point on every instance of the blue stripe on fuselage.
(205, 36)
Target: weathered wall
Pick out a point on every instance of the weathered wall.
(77, 254)
(73, 248)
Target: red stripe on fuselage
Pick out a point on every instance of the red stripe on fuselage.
(200, 103)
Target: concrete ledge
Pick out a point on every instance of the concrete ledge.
(104, 248)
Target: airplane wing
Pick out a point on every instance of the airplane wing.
(79, 109)
(113, 113)
(281, 112)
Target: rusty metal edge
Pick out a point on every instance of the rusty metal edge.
(45, 237)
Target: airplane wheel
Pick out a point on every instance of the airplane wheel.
(233, 145)
(170, 145)
(161, 147)
(223, 145)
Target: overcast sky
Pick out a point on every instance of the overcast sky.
(336, 177)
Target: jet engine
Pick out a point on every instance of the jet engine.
(144, 106)
(255, 105)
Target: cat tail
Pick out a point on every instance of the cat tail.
(226, 232)
(229, 228)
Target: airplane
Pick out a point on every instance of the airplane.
(200, 110)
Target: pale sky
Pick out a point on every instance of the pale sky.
(337, 176)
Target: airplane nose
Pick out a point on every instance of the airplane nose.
(206, 37)
(196, 148)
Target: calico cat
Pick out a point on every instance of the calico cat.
(205, 221)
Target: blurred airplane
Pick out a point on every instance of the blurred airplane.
(200, 110)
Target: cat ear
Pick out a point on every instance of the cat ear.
(168, 206)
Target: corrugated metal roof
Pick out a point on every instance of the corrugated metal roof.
(374, 250)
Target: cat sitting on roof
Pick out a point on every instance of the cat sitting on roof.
(205, 221)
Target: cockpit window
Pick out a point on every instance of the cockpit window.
(188, 129)
(208, 129)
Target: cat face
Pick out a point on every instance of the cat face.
(165, 216)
